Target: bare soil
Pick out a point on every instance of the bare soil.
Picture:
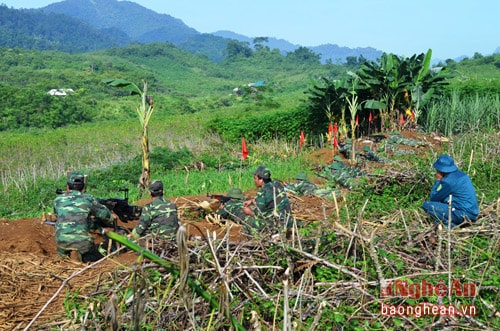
(31, 272)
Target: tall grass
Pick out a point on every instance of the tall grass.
(29, 155)
(479, 156)
(458, 114)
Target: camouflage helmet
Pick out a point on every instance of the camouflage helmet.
(76, 181)
(76, 177)
(156, 186)
(235, 193)
(262, 172)
(301, 176)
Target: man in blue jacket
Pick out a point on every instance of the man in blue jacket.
(451, 182)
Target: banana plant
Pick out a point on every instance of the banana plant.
(426, 82)
(393, 78)
(144, 112)
(387, 81)
(327, 105)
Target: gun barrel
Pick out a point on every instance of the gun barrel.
(220, 197)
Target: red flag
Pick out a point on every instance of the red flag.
(413, 116)
(244, 149)
(402, 120)
(302, 138)
(330, 129)
(335, 129)
(370, 118)
(357, 120)
(335, 143)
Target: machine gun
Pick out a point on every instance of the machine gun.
(220, 197)
(120, 206)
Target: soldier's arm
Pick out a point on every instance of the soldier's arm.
(440, 191)
(102, 214)
(144, 222)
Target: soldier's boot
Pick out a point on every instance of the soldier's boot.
(75, 256)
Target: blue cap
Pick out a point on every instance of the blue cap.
(445, 164)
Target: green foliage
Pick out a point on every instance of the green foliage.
(286, 125)
(166, 159)
(76, 307)
(462, 113)
(47, 31)
(480, 76)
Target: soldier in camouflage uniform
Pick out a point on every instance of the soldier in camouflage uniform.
(74, 210)
(303, 186)
(232, 208)
(271, 206)
(159, 216)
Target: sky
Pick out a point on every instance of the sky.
(451, 28)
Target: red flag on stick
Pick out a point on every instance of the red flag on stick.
(302, 138)
(335, 142)
(370, 118)
(357, 120)
(244, 149)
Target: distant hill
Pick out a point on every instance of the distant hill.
(31, 29)
(99, 24)
(144, 25)
(273, 43)
(334, 53)
(139, 23)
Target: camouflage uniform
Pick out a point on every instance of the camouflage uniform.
(304, 187)
(342, 174)
(159, 216)
(74, 210)
(269, 214)
(233, 209)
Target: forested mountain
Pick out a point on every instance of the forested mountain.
(144, 25)
(328, 52)
(34, 30)
(139, 23)
(118, 23)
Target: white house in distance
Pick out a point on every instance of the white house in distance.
(61, 92)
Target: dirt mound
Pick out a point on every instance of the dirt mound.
(27, 235)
